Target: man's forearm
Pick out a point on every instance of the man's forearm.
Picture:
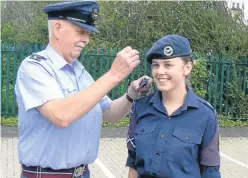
(63, 112)
(118, 110)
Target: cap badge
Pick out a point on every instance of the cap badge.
(168, 50)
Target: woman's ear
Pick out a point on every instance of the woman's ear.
(187, 68)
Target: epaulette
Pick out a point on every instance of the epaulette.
(206, 103)
(36, 57)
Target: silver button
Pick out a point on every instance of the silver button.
(187, 138)
(162, 136)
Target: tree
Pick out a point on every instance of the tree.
(24, 21)
(208, 24)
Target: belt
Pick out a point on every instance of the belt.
(34, 171)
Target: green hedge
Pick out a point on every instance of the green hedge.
(224, 122)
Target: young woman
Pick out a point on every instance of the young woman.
(173, 133)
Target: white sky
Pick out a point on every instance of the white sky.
(240, 2)
(246, 9)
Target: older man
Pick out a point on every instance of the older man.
(60, 106)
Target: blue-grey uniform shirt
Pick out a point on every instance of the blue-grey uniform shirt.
(41, 143)
(182, 145)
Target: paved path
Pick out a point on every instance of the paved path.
(113, 154)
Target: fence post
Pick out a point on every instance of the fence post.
(88, 58)
(222, 81)
(210, 80)
(245, 70)
(8, 78)
(14, 81)
(227, 85)
(216, 81)
(94, 63)
(1, 70)
(145, 63)
(239, 64)
(101, 61)
(113, 90)
(22, 52)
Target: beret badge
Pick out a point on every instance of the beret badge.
(168, 51)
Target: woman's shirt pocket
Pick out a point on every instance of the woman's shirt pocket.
(145, 137)
(184, 146)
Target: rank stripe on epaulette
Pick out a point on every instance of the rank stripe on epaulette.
(206, 103)
(36, 57)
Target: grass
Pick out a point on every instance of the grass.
(12, 121)
(229, 122)
(122, 123)
(224, 122)
(9, 121)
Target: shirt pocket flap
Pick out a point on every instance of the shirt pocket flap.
(142, 130)
(188, 136)
(69, 89)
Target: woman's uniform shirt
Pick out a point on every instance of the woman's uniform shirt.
(182, 145)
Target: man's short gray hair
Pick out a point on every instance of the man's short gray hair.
(49, 29)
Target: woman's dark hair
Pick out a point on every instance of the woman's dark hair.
(186, 60)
